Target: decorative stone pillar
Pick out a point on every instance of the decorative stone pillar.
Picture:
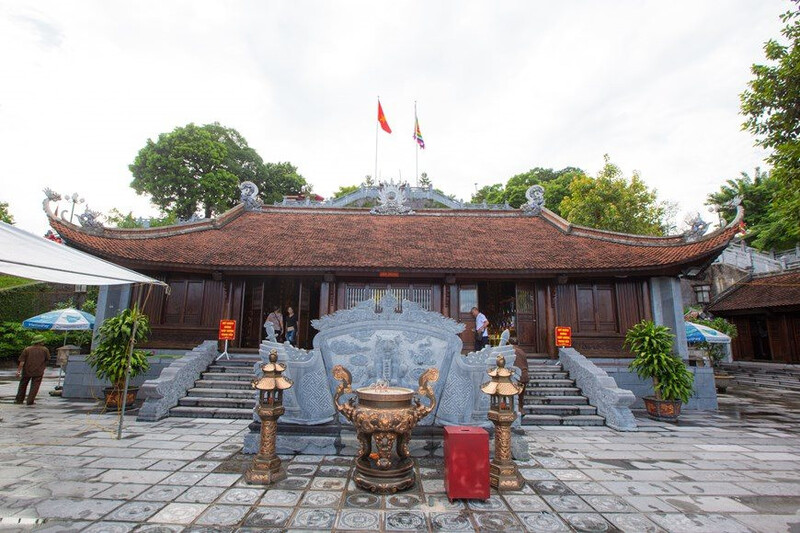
(266, 466)
(503, 392)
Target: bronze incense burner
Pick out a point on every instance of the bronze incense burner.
(384, 417)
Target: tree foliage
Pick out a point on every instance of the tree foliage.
(555, 182)
(200, 167)
(344, 190)
(5, 215)
(771, 105)
(766, 228)
(117, 218)
(614, 203)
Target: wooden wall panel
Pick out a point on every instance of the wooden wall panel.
(600, 313)
(742, 345)
(779, 343)
(213, 301)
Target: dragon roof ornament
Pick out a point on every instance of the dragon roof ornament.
(392, 197)
(535, 203)
(697, 228)
(249, 196)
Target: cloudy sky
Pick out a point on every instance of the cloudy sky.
(501, 87)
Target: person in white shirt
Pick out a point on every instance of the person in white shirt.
(481, 329)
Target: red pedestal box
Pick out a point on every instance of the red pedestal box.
(466, 462)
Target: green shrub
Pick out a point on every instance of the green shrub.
(14, 338)
(652, 347)
(109, 359)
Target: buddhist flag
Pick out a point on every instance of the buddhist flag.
(418, 133)
(382, 119)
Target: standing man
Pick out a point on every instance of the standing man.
(276, 318)
(32, 363)
(481, 329)
(290, 321)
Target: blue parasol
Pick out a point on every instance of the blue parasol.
(61, 320)
(696, 333)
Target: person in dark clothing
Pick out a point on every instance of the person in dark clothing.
(32, 363)
(290, 321)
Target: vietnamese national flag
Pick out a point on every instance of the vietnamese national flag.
(382, 119)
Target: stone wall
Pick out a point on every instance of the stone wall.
(81, 382)
(705, 393)
(162, 394)
(612, 402)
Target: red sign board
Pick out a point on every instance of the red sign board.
(227, 330)
(563, 337)
(388, 274)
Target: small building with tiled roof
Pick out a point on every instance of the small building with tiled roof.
(527, 269)
(766, 312)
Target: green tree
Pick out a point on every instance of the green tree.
(766, 228)
(5, 216)
(424, 180)
(344, 190)
(491, 194)
(771, 105)
(117, 218)
(612, 202)
(199, 167)
(279, 179)
(555, 182)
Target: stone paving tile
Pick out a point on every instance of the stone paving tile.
(135, 511)
(223, 515)
(179, 513)
(162, 493)
(122, 491)
(711, 472)
(83, 509)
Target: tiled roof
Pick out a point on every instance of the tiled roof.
(762, 292)
(349, 239)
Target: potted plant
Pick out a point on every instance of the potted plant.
(672, 381)
(110, 358)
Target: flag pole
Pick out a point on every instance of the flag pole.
(416, 152)
(375, 177)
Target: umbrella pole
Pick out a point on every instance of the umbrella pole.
(128, 366)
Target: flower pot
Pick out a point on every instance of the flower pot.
(721, 381)
(114, 397)
(665, 410)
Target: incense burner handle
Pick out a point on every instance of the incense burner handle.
(429, 376)
(343, 375)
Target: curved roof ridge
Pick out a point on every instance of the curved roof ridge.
(630, 238)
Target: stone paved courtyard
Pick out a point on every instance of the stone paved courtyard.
(730, 471)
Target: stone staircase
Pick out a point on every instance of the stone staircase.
(767, 375)
(552, 399)
(223, 391)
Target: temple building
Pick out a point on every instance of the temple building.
(766, 312)
(527, 269)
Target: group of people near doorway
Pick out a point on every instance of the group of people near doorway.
(285, 326)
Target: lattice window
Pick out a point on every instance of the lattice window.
(419, 294)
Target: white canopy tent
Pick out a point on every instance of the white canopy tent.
(25, 255)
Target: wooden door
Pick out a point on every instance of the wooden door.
(531, 301)
(526, 317)
(467, 299)
(253, 314)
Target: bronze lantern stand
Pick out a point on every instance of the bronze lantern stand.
(266, 467)
(503, 392)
